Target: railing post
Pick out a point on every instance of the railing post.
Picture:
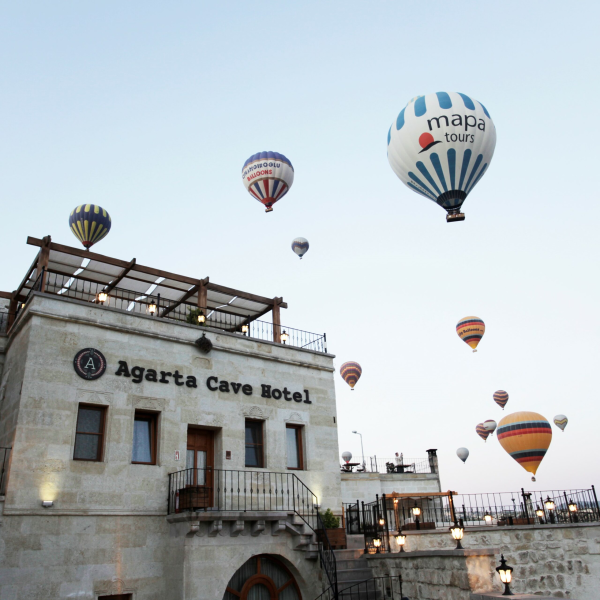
(525, 505)
(451, 502)
(276, 321)
(386, 527)
(596, 499)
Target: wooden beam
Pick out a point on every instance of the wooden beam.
(42, 264)
(181, 300)
(276, 321)
(120, 276)
(245, 295)
(203, 295)
(28, 275)
(415, 495)
(6, 295)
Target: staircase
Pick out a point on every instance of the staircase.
(352, 568)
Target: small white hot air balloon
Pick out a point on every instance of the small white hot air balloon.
(490, 425)
(561, 422)
(347, 456)
(300, 246)
(463, 454)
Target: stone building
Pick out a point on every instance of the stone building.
(161, 440)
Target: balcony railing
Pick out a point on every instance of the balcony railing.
(171, 310)
(373, 464)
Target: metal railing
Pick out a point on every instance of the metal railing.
(390, 465)
(4, 457)
(141, 303)
(223, 490)
(376, 588)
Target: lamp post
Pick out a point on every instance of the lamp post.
(550, 506)
(457, 533)
(416, 511)
(401, 540)
(361, 448)
(505, 572)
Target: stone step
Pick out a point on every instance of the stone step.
(354, 574)
(355, 541)
(354, 563)
(349, 554)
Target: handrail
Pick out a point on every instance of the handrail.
(369, 588)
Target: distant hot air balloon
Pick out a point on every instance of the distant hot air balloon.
(300, 246)
(501, 398)
(347, 456)
(463, 454)
(525, 436)
(351, 372)
(268, 176)
(490, 426)
(440, 145)
(482, 432)
(471, 330)
(561, 422)
(89, 223)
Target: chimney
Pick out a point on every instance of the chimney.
(433, 461)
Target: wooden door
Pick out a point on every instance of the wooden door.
(200, 454)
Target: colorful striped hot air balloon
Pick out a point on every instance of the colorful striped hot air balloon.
(351, 372)
(490, 425)
(471, 330)
(300, 246)
(501, 398)
(268, 177)
(561, 422)
(89, 223)
(526, 436)
(482, 432)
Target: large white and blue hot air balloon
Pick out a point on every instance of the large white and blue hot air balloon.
(440, 146)
(268, 177)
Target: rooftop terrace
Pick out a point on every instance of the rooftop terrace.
(134, 288)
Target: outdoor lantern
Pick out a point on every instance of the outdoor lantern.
(152, 308)
(401, 540)
(284, 337)
(549, 504)
(102, 298)
(381, 521)
(505, 573)
(572, 506)
(377, 543)
(416, 511)
(245, 329)
(201, 318)
(539, 512)
(457, 533)
(396, 501)
(487, 518)
(47, 503)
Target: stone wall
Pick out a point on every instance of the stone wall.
(562, 561)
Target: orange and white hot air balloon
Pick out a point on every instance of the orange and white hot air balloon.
(470, 330)
(351, 372)
(526, 436)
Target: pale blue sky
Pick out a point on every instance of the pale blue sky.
(151, 108)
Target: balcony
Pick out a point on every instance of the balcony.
(129, 287)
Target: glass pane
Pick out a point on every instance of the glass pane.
(201, 466)
(189, 464)
(290, 593)
(273, 570)
(259, 592)
(142, 449)
(253, 456)
(292, 448)
(253, 432)
(86, 446)
(242, 575)
(89, 420)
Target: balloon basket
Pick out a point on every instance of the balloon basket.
(455, 217)
(269, 209)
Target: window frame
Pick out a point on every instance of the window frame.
(152, 417)
(299, 446)
(102, 409)
(261, 445)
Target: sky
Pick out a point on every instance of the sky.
(151, 108)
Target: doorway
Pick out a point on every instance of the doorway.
(199, 464)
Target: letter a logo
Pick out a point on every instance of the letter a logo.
(90, 364)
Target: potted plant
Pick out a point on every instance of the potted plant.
(335, 534)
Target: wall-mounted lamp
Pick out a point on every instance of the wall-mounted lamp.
(152, 308)
(457, 533)
(381, 521)
(377, 544)
(416, 511)
(505, 572)
(47, 503)
(487, 518)
(201, 318)
(540, 514)
(401, 540)
(550, 506)
(573, 511)
(284, 337)
(245, 329)
(102, 298)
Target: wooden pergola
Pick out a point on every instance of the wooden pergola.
(110, 273)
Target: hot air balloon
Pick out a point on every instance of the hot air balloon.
(463, 454)
(440, 146)
(482, 432)
(501, 398)
(300, 246)
(471, 330)
(89, 223)
(351, 372)
(525, 436)
(490, 426)
(561, 422)
(268, 176)
(347, 456)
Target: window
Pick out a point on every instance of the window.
(144, 438)
(254, 444)
(293, 436)
(89, 435)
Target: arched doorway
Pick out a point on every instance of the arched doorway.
(262, 577)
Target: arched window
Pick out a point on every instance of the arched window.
(263, 577)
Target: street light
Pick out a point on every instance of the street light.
(416, 511)
(457, 533)
(401, 540)
(505, 572)
(361, 448)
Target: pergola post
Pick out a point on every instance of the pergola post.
(42, 265)
(276, 321)
(12, 311)
(203, 296)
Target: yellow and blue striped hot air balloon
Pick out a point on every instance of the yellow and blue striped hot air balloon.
(89, 223)
(471, 330)
(482, 432)
(526, 436)
(501, 398)
(351, 372)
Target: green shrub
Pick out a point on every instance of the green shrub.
(329, 520)
(192, 316)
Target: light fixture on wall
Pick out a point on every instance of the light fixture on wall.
(47, 503)
(245, 328)
(573, 511)
(540, 514)
(487, 518)
(416, 511)
(102, 298)
(550, 506)
(201, 318)
(381, 521)
(458, 533)
(152, 308)
(377, 544)
(401, 540)
(505, 572)
(284, 337)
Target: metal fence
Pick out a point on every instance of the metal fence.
(163, 308)
(393, 465)
(376, 588)
(4, 458)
